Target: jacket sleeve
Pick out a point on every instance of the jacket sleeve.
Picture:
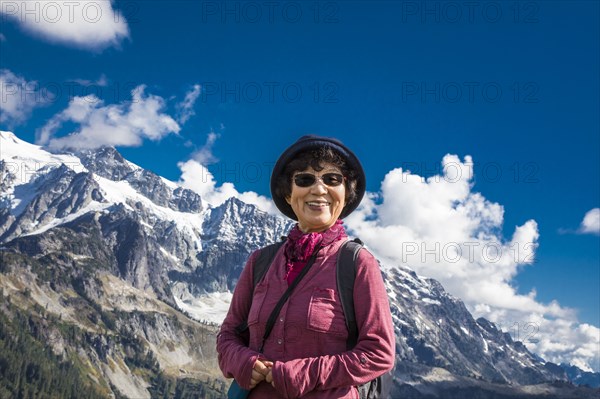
(236, 360)
(373, 355)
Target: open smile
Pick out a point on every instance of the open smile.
(317, 204)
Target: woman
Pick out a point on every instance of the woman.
(316, 181)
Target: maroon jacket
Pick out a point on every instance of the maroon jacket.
(308, 342)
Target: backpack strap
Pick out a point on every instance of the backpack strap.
(261, 266)
(286, 296)
(263, 262)
(345, 276)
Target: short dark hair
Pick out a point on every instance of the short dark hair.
(316, 159)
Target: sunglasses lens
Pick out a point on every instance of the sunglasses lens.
(304, 180)
(329, 179)
(332, 179)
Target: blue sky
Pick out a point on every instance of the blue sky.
(514, 85)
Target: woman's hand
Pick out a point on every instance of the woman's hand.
(261, 369)
(269, 376)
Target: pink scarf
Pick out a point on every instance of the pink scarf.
(300, 246)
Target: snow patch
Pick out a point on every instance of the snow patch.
(92, 207)
(431, 301)
(26, 160)
(211, 307)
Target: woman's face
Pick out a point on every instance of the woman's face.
(319, 205)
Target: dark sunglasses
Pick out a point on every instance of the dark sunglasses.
(308, 179)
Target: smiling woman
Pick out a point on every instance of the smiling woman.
(309, 352)
(317, 153)
(317, 204)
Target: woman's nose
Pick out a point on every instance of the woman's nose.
(319, 187)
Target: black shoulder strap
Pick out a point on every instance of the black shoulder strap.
(263, 262)
(261, 266)
(345, 275)
(285, 297)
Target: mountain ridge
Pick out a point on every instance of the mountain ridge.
(73, 231)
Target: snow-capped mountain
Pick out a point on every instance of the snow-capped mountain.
(154, 227)
(107, 245)
(581, 377)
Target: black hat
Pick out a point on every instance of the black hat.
(310, 142)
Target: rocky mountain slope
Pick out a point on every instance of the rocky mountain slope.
(106, 261)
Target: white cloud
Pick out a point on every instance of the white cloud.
(88, 24)
(125, 124)
(198, 178)
(185, 109)
(18, 98)
(442, 229)
(102, 81)
(204, 155)
(591, 222)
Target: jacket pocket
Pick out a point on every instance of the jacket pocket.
(325, 313)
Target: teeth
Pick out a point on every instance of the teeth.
(317, 203)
